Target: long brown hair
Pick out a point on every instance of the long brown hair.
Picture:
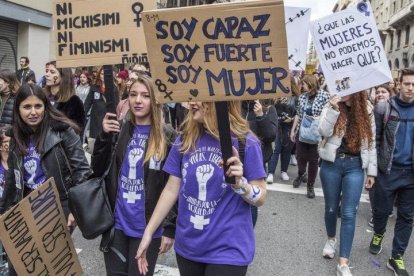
(157, 141)
(192, 129)
(359, 118)
(312, 83)
(66, 85)
(9, 76)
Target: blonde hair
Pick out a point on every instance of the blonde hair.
(157, 142)
(192, 130)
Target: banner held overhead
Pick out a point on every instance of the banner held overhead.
(99, 32)
(220, 52)
(350, 50)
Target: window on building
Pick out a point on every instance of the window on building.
(389, 64)
(393, 7)
(391, 41)
(397, 64)
(407, 34)
(398, 39)
(402, 4)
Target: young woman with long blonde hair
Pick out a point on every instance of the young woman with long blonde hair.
(214, 225)
(135, 180)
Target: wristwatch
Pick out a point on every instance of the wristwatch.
(243, 189)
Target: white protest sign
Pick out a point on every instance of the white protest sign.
(297, 31)
(350, 50)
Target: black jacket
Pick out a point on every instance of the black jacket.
(62, 158)
(7, 112)
(265, 127)
(96, 102)
(387, 122)
(73, 109)
(24, 75)
(154, 180)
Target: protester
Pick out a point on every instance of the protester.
(43, 145)
(310, 103)
(25, 74)
(121, 82)
(123, 106)
(383, 93)
(82, 90)
(135, 179)
(8, 89)
(286, 110)
(394, 86)
(4, 155)
(262, 118)
(61, 93)
(96, 103)
(346, 151)
(395, 139)
(209, 243)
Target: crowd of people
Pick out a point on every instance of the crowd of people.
(166, 182)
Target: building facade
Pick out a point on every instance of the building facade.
(395, 21)
(26, 30)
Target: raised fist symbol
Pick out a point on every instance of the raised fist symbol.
(133, 157)
(204, 173)
(30, 167)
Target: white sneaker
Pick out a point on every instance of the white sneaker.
(269, 178)
(329, 249)
(343, 270)
(284, 176)
(293, 160)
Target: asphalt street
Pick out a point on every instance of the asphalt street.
(290, 235)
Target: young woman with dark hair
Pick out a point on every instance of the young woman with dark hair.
(347, 150)
(135, 180)
(286, 111)
(214, 224)
(43, 144)
(8, 89)
(61, 93)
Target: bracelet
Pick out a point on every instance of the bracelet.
(255, 194)
(243, 189)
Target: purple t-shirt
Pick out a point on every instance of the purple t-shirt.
(130, 202)
(33, 175)
(214, 224)
(2, 179)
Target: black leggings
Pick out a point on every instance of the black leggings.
(126, 248)
(190, 268)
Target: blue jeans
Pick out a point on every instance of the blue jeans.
(283, 148)
(399, 183)
(344, 176)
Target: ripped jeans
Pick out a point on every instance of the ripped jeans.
(344, 176)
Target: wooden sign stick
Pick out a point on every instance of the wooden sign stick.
(109, 89)
(223, 122)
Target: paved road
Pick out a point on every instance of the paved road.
(290, 235)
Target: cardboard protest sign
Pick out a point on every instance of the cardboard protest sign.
(99, 32)
(350, 50)
(35, 236)
(297, 22)
(221, 52)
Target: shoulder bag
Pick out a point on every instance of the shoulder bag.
(308, 131)
(90, 205)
